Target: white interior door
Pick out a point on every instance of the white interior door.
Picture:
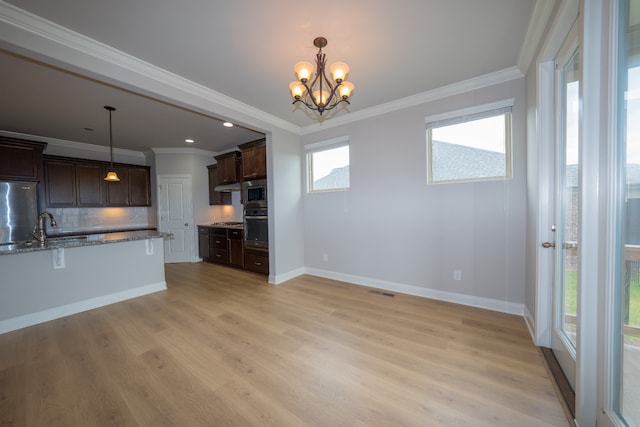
(176, 217)
(566, 280)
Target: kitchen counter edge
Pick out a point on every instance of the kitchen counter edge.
(84, 240)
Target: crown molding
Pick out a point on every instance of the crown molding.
(91, 50)
(535, 32)
(464, 86)
(74, 49)
(63, 143)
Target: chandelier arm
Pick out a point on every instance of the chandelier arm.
(337, 99)
(308, 95)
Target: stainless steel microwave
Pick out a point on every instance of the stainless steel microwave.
(254, 194)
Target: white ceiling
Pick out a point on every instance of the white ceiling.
(245, 50)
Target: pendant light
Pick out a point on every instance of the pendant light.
(111, 176)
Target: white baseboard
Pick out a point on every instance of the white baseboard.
(280, 278)
(470, 300)
(31, 319)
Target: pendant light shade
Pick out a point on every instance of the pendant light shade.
(111, 176)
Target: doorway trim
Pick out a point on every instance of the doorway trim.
(545, 135)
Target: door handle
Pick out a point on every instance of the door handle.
(547, 245)
(186, 224)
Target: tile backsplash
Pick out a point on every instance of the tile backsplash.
(88, 219)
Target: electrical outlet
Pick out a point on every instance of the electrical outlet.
(457, 274)
(325, 257)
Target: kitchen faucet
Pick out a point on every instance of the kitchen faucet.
(39, 230)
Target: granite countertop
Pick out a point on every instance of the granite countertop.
(78, 240)
(233, 225)
(54, 233)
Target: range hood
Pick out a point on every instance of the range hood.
(226, 188)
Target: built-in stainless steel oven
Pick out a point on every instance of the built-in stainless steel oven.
(254, 194)
(256, 233)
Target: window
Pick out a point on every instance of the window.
(328, 165)
(470, 145)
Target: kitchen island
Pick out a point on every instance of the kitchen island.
(44, 281)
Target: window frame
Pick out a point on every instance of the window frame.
(318, 147)
(466, 115)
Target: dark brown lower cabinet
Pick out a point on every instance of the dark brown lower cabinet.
(236, 250)
(256, 260)
(203, 243)
(226, 246)
(219, 247)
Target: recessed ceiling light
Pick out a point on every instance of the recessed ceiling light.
(189, 141)
(228, 124)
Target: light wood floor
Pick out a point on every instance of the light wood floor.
(222, 348)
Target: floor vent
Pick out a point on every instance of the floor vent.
(384, 294)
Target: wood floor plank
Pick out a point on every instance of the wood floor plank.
(12, 396)
(222, 347)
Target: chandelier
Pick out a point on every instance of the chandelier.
(320, 94)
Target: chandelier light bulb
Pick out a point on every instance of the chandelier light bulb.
(345, 89)
(303, 70)
(321, 97)
(339, 71)
(296, 89)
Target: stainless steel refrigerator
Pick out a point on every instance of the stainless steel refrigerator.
(18, 211)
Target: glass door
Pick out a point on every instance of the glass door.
(626, 311)
(567, 207)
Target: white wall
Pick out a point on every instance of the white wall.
(393, 230)
(286, 225)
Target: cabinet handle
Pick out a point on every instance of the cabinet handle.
(258, 263)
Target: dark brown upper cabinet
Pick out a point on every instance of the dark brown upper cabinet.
(134, 188)
(90, 184)
(20, 160)
(60, 182)
(216, 197)
(228, 168)
(71, 182)
(139, 186)
(254, 159)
